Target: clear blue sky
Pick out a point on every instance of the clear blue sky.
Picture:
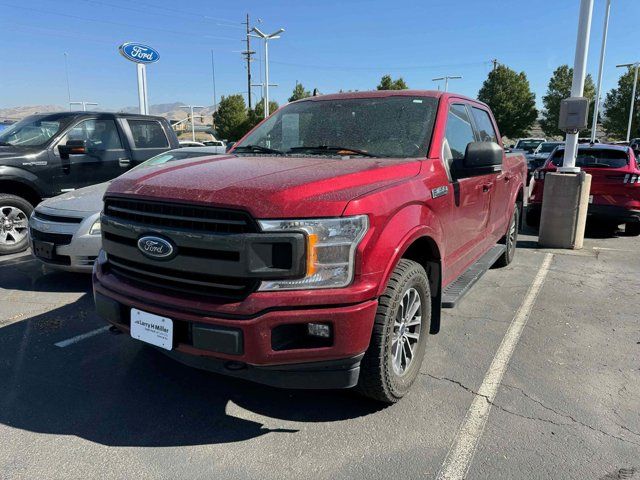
(328, 44)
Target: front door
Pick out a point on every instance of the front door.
(105, 156)
(466, 232)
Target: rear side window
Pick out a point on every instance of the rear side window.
(483, 124)
(594, 158)
(148, 134)
(459, 132)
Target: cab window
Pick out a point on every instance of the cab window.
(148, 134)
(458, 134)
(484, 126)
(99, 134)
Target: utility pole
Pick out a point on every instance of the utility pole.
(633, 94)
(213, 79)
(248, 53)
(266, 39)
(446, 79)
(596, 106)
(66, 72)
(193, 127)
(84, 105)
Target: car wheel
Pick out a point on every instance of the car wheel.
(392, 361)
(510, 240)
(533, 218)
(14, 224)
(632, 229)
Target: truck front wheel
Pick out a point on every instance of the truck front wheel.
(392, 361)
(14, 224)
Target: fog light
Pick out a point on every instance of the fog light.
(319, 330)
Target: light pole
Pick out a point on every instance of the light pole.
(84, 105)
(633, 93)
(266, 39)
(446, 79)
(600, 68)
(66, 72)
(213, 78)
(193, 127)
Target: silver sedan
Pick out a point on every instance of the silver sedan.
(64, 231)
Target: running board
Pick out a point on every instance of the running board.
(461, 285)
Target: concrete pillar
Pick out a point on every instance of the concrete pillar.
(564, 210)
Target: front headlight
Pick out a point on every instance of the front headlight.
(330, 248)
(95, 228)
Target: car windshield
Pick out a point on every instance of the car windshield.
(398, 127)
(528, 145)
(34, 131)
(546, 147)
(594, 158)
(170, 157)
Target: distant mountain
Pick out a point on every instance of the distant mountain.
(168, 110)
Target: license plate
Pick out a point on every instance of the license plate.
(43, 249)
(590, 198)
(152, 329)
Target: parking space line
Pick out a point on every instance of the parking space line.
(463, 448)
(78, 338)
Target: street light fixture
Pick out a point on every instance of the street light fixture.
(633, 93)
(446, 79)
(266, 38)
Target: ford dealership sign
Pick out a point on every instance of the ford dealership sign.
(136, 52)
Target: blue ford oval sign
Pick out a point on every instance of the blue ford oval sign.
(136, 52)
(155, 247)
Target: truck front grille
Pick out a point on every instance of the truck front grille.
(173, 215)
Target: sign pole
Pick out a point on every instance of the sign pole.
(142, 88)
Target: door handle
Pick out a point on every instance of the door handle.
(124, 162)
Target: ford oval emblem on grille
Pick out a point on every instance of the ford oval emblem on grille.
(156, 247)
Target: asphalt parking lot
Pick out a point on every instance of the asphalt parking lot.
(80, 402)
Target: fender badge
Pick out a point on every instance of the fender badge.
(439, 191)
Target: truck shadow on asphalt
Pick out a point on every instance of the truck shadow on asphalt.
(112, 390)
(27, 274)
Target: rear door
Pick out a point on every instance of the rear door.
(466, 236)
(105, 157)
(148, 138)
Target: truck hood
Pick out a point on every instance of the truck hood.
(267, 186)
(87, 199)
(16, 156)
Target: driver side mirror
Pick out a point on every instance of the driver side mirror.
(480, 158)
(73, 147)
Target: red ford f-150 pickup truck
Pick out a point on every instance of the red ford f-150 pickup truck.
(319, 252)
(615, 185)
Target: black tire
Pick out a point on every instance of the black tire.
(510, 240)
(632, 229)
(379, 378)
(14, 240)
(533, 218)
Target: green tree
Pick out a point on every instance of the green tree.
(616, 108)
(231, 117)
(256, 115)
(387, 83)
(511, 100)
(299, 93)
(560, 88)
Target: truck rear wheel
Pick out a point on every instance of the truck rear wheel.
(14, 224)
(392, 361)
(510, 240)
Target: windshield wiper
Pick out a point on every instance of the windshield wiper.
(330, 148)
(258, 148)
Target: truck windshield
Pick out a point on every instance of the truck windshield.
(528, 145)
(594, 158)
(398, 127)
(34, 131)
(546, 147)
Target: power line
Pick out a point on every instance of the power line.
(385, 68)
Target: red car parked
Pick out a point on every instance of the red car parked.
(319, 252)
(615, 185)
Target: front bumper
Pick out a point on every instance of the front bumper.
(79, 254)
(257, 353)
